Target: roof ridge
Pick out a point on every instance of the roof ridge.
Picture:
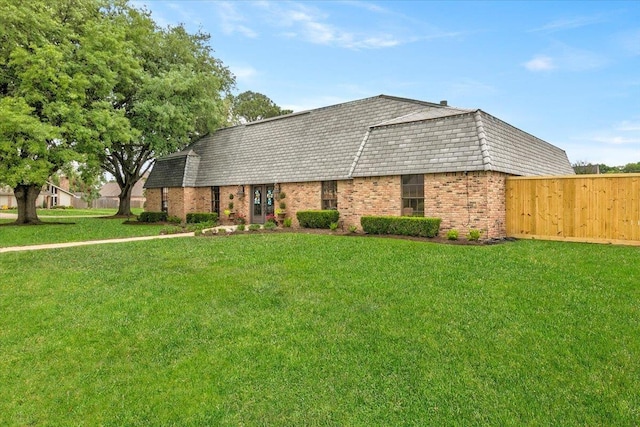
(384, 123)
(482, 138)
(297, 113)
(415, 101)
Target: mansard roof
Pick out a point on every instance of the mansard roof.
(376, 136)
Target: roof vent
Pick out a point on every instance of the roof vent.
(443, 102)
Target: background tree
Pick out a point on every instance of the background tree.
(582, 167)
(87, 185)
(179, 96)
(59, 63)
(631, 168)
(609, 169)
(251, 106)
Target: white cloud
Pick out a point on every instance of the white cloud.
(231, 20)
(568, 24)
(628, 126)
(615, 145)
(244, 74)
(540, 63)
(611, 155)
(565, 58)
(312, 25)
(616, 139)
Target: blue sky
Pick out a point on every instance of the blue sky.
(566, 72)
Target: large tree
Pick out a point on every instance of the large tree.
(251, 106)
(96, 82)
(179, 96)
(59, 64)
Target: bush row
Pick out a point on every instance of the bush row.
(152, 217)
(317, 219)
(195, 218)
(401, 225)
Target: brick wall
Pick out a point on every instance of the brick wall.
(154, 200)
(301, 196)
(368, 196)
(475, 200)
(497, 198)
(240, 203)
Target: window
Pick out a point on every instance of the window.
(413, 195)
(165, 199)
(215, 200)
(329, 195)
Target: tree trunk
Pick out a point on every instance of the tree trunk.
(26, 196)
(124, 209)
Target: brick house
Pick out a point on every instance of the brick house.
(376, 156)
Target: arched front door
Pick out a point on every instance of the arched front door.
(263, 201)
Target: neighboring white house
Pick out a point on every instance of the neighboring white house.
(50, 196)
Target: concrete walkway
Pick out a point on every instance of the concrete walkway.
(220, 228)
(91, 242)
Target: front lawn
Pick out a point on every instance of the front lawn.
(63, 230)
(297, 329)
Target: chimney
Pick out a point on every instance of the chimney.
(443, 102)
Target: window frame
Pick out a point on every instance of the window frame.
(329, 195)
(164, 199)
(215, 199)
(412, 194)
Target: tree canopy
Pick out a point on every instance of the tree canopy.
(176, 96)
(582, 167)
(98, 83)
(251, 106)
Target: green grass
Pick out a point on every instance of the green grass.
(71, 230)
(75, 212)
(295, 329)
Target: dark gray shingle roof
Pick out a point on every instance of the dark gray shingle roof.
(370, 137)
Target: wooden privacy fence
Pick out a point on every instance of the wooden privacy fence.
(586, 208)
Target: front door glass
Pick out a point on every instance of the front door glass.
(263, 203)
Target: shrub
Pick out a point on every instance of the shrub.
(376, 224)
(353, 228)
(333, 226)
(403, 226)
(474, 235)
(230, 205)
(287, 222)
(240, 219)
(282, 195)
(269, 225)
(152, 217)
(240, 227)
(452, 234)
(317, 219)
(174, 219)
(271, 218)
(230, 196)
(194, 218)
(254, 227)
(283, 205)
